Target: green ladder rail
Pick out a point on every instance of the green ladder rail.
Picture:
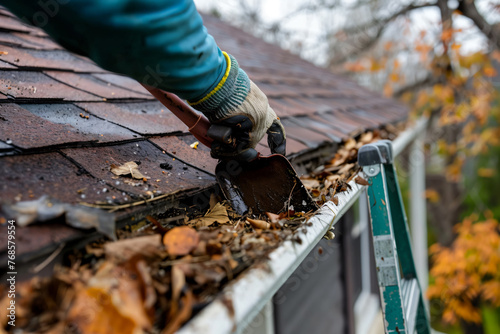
(401, 296)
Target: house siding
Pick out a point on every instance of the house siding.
(312, 300)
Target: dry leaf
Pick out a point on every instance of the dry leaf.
(128, 168)
(335, 200)
(366, 137)
(259, 224)
(178, 282)
(182, 316)
(217, 214)
(229, 258)
(214, 200)
(310, 183)
(361, 181)
(148, 246)
(350, 144)
(333, 178)
(340, 157)
(181, 240)
(213, 247)
(331, 181)
(201, 249)
(345, 169)
(149, 292)
(274, 218)
(111, 303)
(96, 251)
(432, 195)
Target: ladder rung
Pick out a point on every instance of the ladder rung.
(411, 293)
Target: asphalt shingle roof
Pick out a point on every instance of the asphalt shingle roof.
(48, 146)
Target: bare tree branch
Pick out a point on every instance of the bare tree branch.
(366, 45)
(425, 82)
(380, 25)
(390, 18)
(469, 9)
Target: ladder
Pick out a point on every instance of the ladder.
(401, 296)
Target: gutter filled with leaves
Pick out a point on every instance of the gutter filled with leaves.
(156, 278)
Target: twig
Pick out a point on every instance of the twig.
(287, 204)
(355, 172)
(237, 224)
(162, 230)
(114, 208)
(51, 257)
(204, 258)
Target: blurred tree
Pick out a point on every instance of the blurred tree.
(466, 274)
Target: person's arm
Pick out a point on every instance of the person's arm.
(160, 43)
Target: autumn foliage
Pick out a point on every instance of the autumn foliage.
(466, 275)
(455, 89)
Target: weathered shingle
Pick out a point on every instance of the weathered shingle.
(148, 117)
(90, 84)
(28, 177)
(40, 59)
(178, 178)
(179, 146)
(35, 86)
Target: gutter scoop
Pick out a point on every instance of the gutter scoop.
(265, 184)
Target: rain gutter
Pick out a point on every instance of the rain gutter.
(247, 295)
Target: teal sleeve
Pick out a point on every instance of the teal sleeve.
(161, 43)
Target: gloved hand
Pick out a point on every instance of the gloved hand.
(238, 103)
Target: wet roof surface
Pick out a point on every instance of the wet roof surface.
(64, 121)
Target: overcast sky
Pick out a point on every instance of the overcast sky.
(309, 28)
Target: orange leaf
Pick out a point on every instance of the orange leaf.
(259, 224)
(112, 303)
(394, 77)
(446, 35)
(489, 71)
(376, 65)
(181, 240)
(315, 193)
(432, 195)
(355, 67)
(361, 181)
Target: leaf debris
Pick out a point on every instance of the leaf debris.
(128, 168)
(324, 182)
(150, 282)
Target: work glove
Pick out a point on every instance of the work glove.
(237, 103)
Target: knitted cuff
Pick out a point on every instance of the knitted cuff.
(228, 95)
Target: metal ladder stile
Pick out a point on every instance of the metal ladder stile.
(402, 302)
